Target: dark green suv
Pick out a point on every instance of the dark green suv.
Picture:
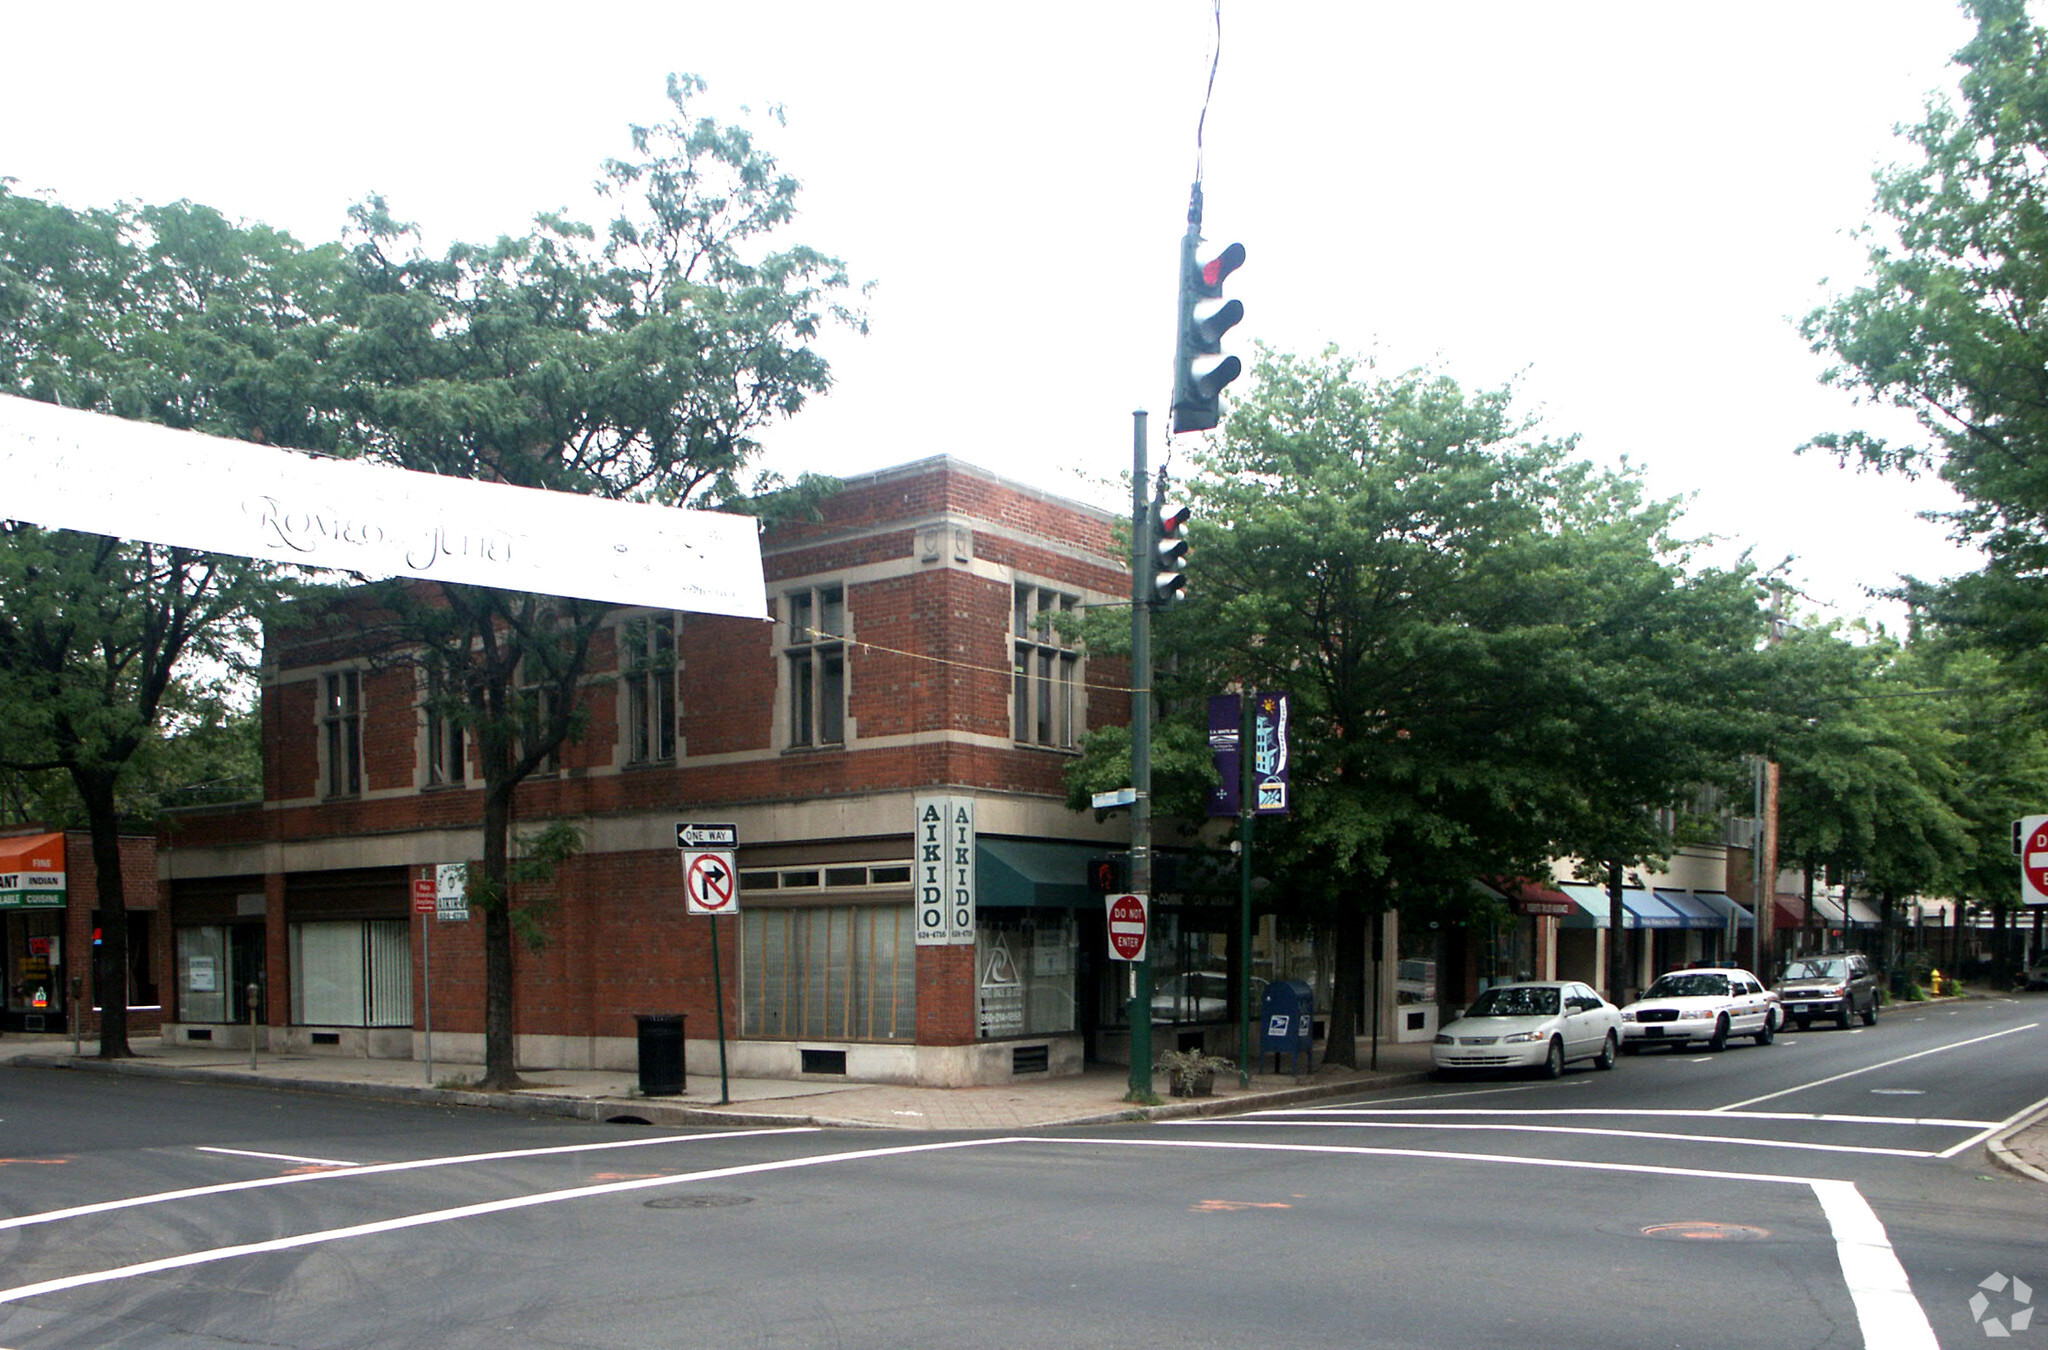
(1837, 986)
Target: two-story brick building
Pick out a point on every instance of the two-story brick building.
(911, 672)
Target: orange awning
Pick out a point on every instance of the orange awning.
(32, 853)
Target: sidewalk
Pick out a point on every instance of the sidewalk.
(1091, 1098)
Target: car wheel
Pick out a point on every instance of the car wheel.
(1553, 1063)
(1765, 1033)
(1842, 1017)
(1870, 1014)
(1607, 1052)
(1719, 1040)
(1805, 1023)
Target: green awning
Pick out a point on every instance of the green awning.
(1034, 873)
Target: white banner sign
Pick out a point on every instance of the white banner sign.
(945, 871)
(66, 469)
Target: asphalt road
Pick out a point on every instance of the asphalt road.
(1826, 1191)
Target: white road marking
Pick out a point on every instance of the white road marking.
(371, 1169)
(1887, 1312)
(274, 1157)
(421, 1220)
(1582, 1129)
(1870, 1068)
(1889, 1315)
(1991, 1129)
(1717, 1113)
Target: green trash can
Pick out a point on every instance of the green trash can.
(661, 1054)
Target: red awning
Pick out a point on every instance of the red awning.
(1529, 897)
(1789, 911)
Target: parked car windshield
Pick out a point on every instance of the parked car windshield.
(1814, 970)
(1688, 985)
(1508, 1001)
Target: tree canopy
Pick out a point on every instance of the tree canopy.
(1498, 653)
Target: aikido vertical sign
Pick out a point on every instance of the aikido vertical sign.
(945, 871)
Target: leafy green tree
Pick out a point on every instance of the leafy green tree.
(638, 363)
(1871, 789)
(167, 314)
(1494, 652)
(1949, 325)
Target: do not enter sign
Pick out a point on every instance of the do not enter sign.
(2030, 834)
(1129, 921)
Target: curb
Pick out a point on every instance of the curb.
(2002, 1156)
(652, 1111)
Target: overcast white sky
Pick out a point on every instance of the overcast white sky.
(1622, 206)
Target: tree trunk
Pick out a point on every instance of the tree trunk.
(1617, 938)
(1347, 938)
(110, 957)
(501, 1056)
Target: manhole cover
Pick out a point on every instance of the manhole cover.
(697, 1201)
(1701, 1230)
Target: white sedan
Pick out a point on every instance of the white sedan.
(1539, 1025)
(1703, 1006)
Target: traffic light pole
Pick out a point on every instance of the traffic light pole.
(1140, 1016)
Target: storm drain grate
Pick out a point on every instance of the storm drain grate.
(697, 1201)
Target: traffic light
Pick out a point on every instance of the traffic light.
(1111, 875)
(1169, 552)
(1198, 393)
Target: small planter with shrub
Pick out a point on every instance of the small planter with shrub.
(1192, 1073)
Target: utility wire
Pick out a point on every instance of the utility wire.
(1215, 59)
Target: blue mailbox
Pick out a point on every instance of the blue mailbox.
(1287, 1020)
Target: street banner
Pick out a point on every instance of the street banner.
(1269, 754)
(73, 470)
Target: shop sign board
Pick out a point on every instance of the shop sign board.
(944, 846)
(451, 892)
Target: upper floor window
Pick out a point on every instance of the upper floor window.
(647, 668)
(536, 710)
(1046, 674)
(447, 744)
(816, 654)
(341, 722)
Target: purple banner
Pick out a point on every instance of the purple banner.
(1269, 754)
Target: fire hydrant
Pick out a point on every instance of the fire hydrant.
(1934, 979)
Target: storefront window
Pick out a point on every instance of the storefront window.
(1025, 964)
(838, 972)
(352, 973)
(216, 965)
(34, 944)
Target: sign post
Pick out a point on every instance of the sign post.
(711, 887)
(424, 904)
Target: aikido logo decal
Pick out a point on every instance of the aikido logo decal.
(2011, 1311)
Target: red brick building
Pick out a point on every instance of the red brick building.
(911, 680)
(49, 917)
